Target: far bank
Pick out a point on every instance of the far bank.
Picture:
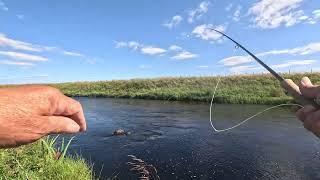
(241, 89)
(235, 89)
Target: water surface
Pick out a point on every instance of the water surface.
(178, 140)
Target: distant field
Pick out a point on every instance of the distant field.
(242, 89)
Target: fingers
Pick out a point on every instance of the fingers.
(60, 124)
(303, 113)
(50, 101)
(71, 108)
(312, 123)
(306, 81)
(310, 118)
(31, 129)
(80, 119)
(308, 89)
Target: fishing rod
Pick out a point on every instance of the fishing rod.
(287, 84)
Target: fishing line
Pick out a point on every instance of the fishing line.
(245, 120)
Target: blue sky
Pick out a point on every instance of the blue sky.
(58, 41)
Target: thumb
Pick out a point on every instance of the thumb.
(61, 125)
(308, 89)
(306, 82)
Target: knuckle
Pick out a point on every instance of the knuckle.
(52, 95)
(76, 105)
(46, 91)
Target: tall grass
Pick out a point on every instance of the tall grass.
(142, 169)
(242, 89)
(43, 160)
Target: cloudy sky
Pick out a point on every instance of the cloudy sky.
(58, 41)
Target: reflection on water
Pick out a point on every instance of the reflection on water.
(178, 140)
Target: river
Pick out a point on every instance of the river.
(177, 139)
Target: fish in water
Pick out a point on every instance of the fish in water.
(120, 132)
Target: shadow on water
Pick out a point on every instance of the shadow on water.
(177, 139)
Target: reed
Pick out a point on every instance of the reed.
(142, 169)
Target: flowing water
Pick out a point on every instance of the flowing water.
(178, 140)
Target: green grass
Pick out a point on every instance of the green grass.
(245, 89)
(39, 161)
(240, 89)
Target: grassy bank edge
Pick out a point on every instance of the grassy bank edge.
(43, 159)
(233, 89)
(236, 89)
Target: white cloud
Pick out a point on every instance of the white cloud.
(143, 66)
(3, 6)
(134, 45)
(311, 48)
(205, 32)
(16, 63)
(315, 17)
(150, 50)
(236, 14)
(180, 53)
(203, 67)
(270, 14)
(184, 35)
(302, 18)
(7, 42)
(173, 22)
(20, 16)
(121, 44)
(69, 53)
(25, 46)
(23, 77)
(22, 56)
(293, 63)
(236, 60)
(240, 69)
(316, 13)
(303, 50)
(144, 49)
(199, 11)
(184, 55)
(175, 48)
(229, 6)
(131, 45)
(18, 45)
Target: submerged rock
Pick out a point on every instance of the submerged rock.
(120, 132)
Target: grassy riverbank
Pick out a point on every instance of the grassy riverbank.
(244, 89)
(41, 161)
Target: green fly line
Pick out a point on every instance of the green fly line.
(245, 120)
(276, 75)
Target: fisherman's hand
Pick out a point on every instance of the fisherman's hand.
(28, 113)
(309, 115)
